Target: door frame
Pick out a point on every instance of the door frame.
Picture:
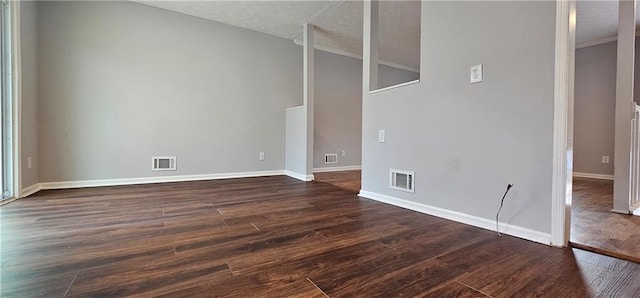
(564, 73)
(16, 96)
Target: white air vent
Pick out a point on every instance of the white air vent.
(331, 158)
(401, 180)
(163, 163)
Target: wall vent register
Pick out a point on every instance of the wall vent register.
(331, 158)
(163, 163)
(401, 180)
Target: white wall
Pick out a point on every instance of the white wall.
(465, 141)
(121, 82)
(29, 117)
(595, 101)
(296, 142)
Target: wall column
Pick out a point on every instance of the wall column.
(308, 89)
(624, 106)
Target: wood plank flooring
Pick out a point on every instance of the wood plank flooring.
(347, 180)
(274, 237)
(595, 227)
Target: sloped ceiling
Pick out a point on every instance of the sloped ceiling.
(597, 20)
(339, 22)
(399, 41)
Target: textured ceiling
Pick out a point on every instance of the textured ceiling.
(280, 18)
(338, 23)
(399, 27)
(597, 20)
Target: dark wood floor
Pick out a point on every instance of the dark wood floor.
(595, 227)
(274, 237)
(347, 180)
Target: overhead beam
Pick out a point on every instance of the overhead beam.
(370, 46)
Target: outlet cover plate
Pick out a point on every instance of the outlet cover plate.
(382, 136)
(476, 74)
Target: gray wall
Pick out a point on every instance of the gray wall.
(338, 106)
(29, 117)
(338, 109)
(121, 82)
(636, 71)
(390, 76)
(595, 100)
(465, 141)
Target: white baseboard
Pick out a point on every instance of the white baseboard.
(27, 191)
(464, 218)
(147, 180)
(621, 211)
(7, 201)
(592, 176)
(337, 169)
(299, 176)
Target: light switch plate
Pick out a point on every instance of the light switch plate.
(382, 136)
(476, 73)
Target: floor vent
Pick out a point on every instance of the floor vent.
(401, 180)
(331, 158)
(163, 163)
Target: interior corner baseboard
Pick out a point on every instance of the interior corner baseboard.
(592, 176)
(27, 191)
(464, 218)
(299, 176)
(7, 201)
(337, 169)
(621, 211)
(159, 179)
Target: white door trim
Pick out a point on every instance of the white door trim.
(16, 98)
(563, 122)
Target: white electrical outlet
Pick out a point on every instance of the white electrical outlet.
(261, 156)
(343, 153)
(29, 162)
(476, 73)
(382, 136)
(605, 159)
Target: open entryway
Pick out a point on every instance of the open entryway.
(337, 87)
(604, 138)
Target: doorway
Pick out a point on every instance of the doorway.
(596, 135)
